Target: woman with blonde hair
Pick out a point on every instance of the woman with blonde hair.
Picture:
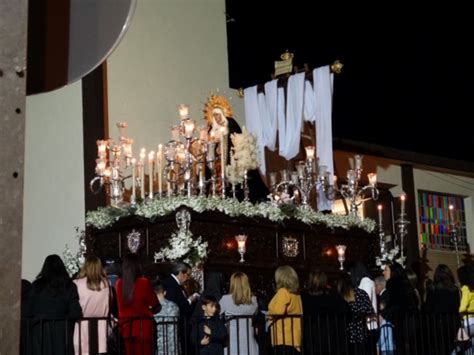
(285, 311)
(240, 306)
(94, 295)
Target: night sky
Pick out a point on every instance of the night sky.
(405, 84)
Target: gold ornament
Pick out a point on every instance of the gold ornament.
(216, 101)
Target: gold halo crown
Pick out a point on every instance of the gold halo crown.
(217, 101)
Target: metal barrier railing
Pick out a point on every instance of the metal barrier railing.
(420, 333)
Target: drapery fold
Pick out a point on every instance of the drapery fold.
(290, 143)
(272, 111)
(322, 82)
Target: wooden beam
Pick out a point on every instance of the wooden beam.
(411, 240)
(95, 126)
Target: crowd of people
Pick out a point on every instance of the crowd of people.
(353, 313)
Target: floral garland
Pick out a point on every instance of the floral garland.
(182, 246)
(73, 262)
(106, 216)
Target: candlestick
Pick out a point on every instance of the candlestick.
(151, 155)
(451, 214)
(402, 204)
(222, 147)
(241, 240)
(379, 208)
(341, 255)
(142, 173)
(358, 162)
(132, 200)
(159, 161)
(223, 159)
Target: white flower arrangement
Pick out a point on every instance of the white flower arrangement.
(231, 207)
(245, 150)
(182, 246)
(391, 256)
(73, 262)
(233, 173)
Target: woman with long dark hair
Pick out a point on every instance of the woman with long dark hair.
(361, 308)
(53, 306)
(137, 304)
(441, 306)
(325, 316)
(401, 307)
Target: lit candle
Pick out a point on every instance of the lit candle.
(379, 208)
(127, 147)
(100, 166)
(351, 176)
(142, 173)
(159, 162)
(151, 155)
(222, 137)
(310, 152)
(358, 162)
(101, 148)
(183, 111)
(341, 251)
(188, 128)
(201, 177)
(134, 161)
(402, 204)
(451, 213)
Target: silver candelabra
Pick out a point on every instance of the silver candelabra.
(402, 230)
(113, 159)
(455, 240)
(353, 192)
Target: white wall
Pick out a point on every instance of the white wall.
(174, 52)
(54, 192)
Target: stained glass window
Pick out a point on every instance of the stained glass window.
(436, 221)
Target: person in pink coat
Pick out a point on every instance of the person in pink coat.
(94, 294)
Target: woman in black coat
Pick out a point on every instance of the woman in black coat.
(441, 307)
(326, 315)
(53, 307)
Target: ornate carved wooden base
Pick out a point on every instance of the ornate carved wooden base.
(268, 245)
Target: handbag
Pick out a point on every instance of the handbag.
(114, 339)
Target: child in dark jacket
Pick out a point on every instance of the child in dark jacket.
(209, 333)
